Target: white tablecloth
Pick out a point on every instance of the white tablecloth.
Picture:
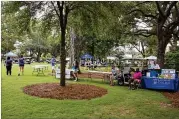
(67, 73)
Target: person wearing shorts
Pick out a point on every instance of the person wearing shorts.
(53, 65)
(113, 76)
(75, 70)
(21, 65)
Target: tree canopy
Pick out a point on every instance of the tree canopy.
(98, 26)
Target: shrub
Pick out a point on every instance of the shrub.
(172, 60)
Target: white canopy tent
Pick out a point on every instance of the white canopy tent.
(10, 54)
(111, 58)
(151, 58)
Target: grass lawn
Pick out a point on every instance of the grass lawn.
(118, 103)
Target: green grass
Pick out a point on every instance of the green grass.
(118, 103)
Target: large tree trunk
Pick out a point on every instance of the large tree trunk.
(38, 56)
(163, 39)
(162, 43)
(63, 22)
(63, 58)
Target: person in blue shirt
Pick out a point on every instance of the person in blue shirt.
(21, 65)
(8, 65)
(75, 69)
(53, 65)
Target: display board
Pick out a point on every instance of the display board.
(168, 73)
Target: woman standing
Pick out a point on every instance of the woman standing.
(53, 65)
(8, 65)
(75, 69)
(113, 76)
(21, 65)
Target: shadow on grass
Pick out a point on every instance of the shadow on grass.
(98, 81)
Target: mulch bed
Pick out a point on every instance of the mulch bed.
(80, 91)
(173, 97)
(70, 91)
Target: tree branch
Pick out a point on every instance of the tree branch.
(141, 31)
(145, 15)
(66, 15)
(145, 35)
(61, 13)
(75, 7)
(55, 9)
(172, 25)
(143, 49)
(176, 35)
(170, 7)
(159, 9)
(142, 3)
(137, 49)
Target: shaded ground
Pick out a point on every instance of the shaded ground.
(94, 75)
(173, 97)
(78, 91)
(70, 91)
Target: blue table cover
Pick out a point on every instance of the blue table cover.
(158, 83)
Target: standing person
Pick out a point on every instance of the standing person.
(21, 65)
(113, 76)
(53, 65)
(8, 65)
(75, 69)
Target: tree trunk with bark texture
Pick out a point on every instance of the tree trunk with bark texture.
(63, 58)
(163, 40)
(161, 52)
(38, 56)
(63, 22)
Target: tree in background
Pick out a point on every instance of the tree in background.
(162, 17)
(56, 12)
(172, 60)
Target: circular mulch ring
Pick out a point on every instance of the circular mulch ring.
(70, 91)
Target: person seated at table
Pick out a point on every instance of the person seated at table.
(131, 72)
(136, 78)
(75, 69)
(156, 66)
(114, 72)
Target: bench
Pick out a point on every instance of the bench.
(102, 75)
